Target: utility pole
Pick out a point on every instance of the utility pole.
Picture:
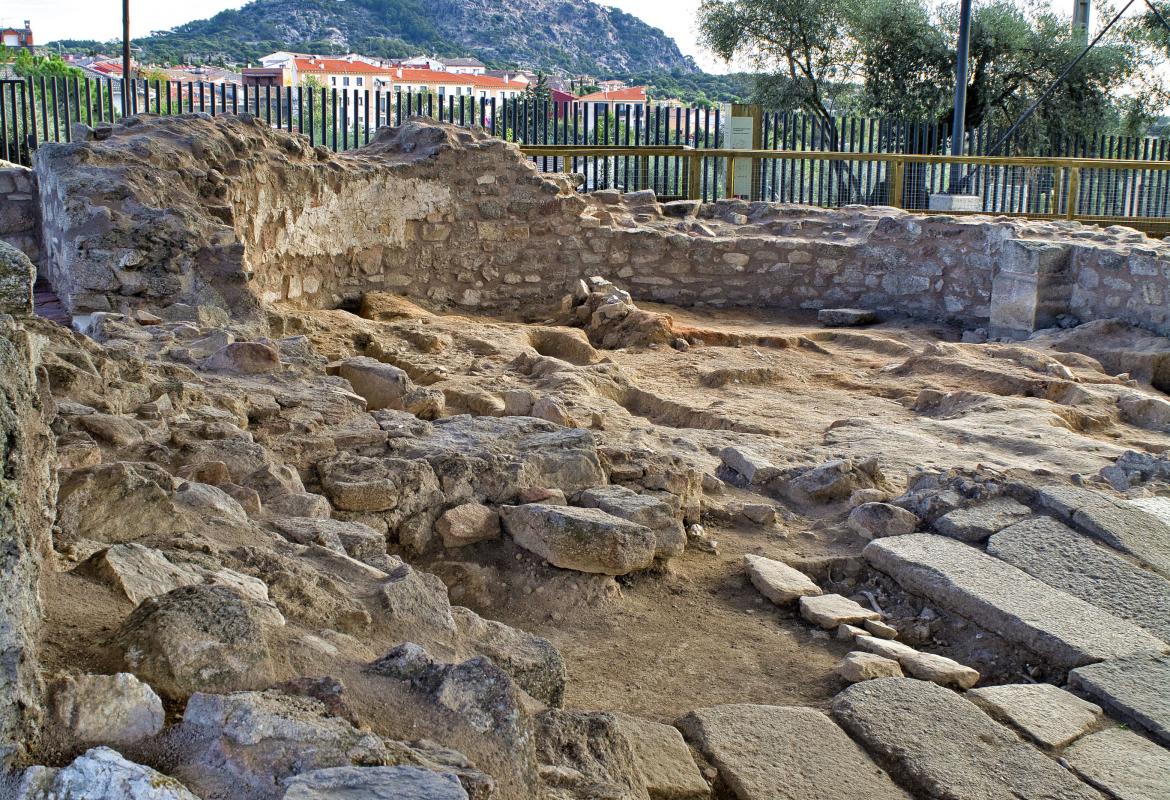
(126, 58)
(1080, 21)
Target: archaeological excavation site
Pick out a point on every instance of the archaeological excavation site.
(415, 472)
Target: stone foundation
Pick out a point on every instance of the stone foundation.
(227, 212)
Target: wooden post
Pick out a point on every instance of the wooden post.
(729, 178)
(696, 168)
(1074, 193)
(896, 183)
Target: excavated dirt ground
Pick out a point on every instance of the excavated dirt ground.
(796, 393)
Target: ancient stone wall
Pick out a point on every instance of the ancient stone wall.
(228, 212)
(27, 497)
(19, 220)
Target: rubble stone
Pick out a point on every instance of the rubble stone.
(875, 520)
(584, 539)
(777, 581)
(101, 774)
(110, 709)
(373, 783)
(976, 523)
(467, 524)
(858, 666)
(832, 610)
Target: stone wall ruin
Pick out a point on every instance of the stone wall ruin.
(230, 213)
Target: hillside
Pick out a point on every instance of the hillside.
(578, 37)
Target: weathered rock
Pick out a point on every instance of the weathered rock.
(584, 539)
(875, 520)
(416, 608)
(875, 627)
(774, 752)
(532, 661)
(644, 509)
(831, 610)
(751, 467)
(373, 783)
(358, 483)
(858, 666)
(138, 572)
(1046, 714)
(101, 774)
(1122, 764)
(1134, 688)
(589, 753)
(833, 481)
(110, 709)
(777, 581)
(490, 459)
(253, 741)
(244, 358)
(977, 522)
(17, 276)
(198, 638)
(467, 524)
(1061, 628)
(382, 385)
(28, 485)
(1069, 561)
(924, 666)
(939, 744)
(117, 502)
(845, 317)
(663, 759)
(476, 694)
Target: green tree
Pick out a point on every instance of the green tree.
(896, 58)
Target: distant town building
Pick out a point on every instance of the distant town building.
(17, 38)
(464, 66)
(264, 76)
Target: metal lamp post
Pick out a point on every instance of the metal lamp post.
(125, 58)
(959, 120)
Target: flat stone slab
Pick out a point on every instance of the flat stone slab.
(777, 581)
(669, 770)
(940, 745)
(1056, 554)
(784, 753)
(1137, 689)
(831, 610)
(1047, 714)
(924, 666)
(1127, 766)
(976, 523)
(1119, 524)
(1064, 630)
(845, 317)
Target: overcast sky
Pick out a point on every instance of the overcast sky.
(101, 19)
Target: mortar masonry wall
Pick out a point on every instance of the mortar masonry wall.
(19, 211)
(228, 212)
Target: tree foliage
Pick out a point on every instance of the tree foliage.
(896, 58)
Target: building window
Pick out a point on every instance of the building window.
(359, 81)
(345, 81)
(333, 81)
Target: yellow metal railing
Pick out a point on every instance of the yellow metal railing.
(1141, 186)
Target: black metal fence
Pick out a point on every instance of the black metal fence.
(36, 110)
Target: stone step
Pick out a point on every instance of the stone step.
(1122, 764)
(1046, 714)
(784, 753)
(1066, 560)
(1064, 630)
(1137, 689)
(940, 745)
(1119, 524)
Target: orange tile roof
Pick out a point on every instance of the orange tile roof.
(337, 66)
(634, 94)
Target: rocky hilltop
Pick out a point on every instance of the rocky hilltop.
(578, 37)
(422, 505)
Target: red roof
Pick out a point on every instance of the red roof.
(634, 94)
(451, 78)
(337, 66)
